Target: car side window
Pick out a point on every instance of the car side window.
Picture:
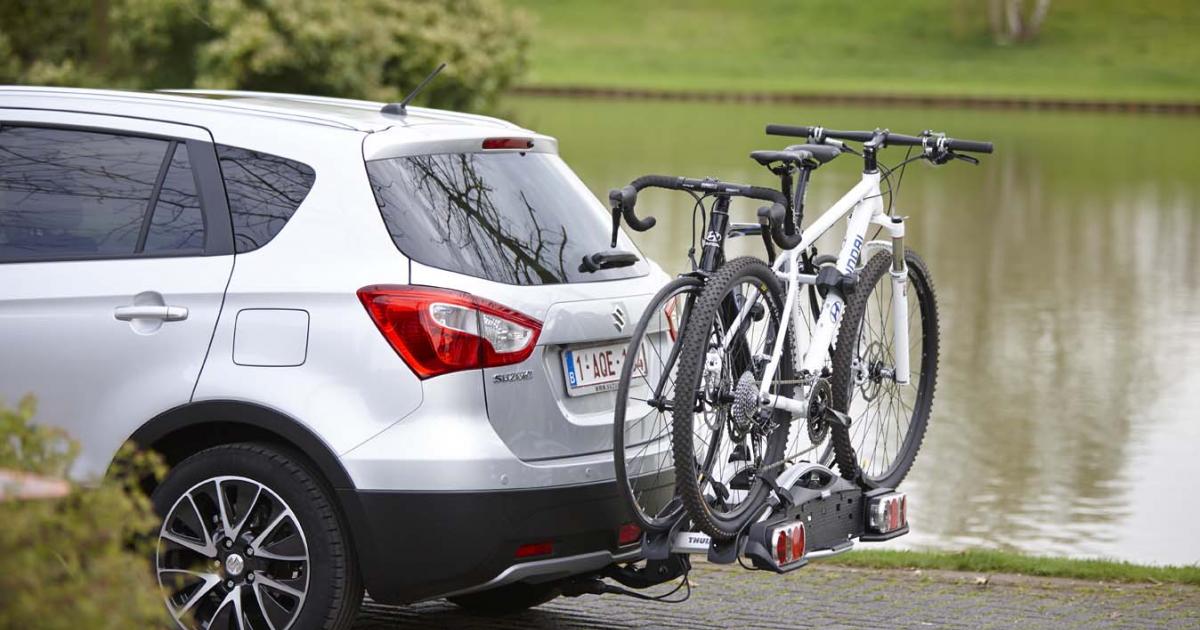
(178, 221)
(68, 193)
(264, 191)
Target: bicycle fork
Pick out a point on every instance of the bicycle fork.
(899, 274)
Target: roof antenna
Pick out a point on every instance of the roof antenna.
(401, 108)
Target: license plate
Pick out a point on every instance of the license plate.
(593, 369)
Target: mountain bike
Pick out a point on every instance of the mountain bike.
(867, 375)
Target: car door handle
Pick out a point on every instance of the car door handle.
(165, 313)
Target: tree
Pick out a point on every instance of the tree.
(1016, 20)
(374, 49)
(77, 560)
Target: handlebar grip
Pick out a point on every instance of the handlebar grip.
(626, 198)
(973, 146)
(807, 132)
(789, 130)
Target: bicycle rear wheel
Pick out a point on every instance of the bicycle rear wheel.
(724, 444)
(642, 457)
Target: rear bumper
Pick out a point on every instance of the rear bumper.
(420, 545)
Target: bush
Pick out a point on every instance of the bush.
(373, 49)
(79, 561)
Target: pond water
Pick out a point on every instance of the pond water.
(1067, 266)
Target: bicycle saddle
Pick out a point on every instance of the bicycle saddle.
(803, 155)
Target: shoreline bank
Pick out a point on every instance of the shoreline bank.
(1181, 108)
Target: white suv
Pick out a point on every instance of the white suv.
(368, 344)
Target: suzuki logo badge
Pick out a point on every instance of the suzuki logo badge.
(618, 318)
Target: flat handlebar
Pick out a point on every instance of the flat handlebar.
(899, 139)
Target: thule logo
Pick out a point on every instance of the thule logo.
(618, 318)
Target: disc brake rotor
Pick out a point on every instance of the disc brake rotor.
(871, 367)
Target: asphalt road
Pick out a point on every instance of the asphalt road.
(833, 597)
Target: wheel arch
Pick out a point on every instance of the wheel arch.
(179, 432)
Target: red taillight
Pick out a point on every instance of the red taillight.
(508, 143)
(437, 331)
(888, 513)
(628, 534)
(783, 547)
(669, 311)
(789, 543)
(532, 550)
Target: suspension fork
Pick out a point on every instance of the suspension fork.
(899, 273)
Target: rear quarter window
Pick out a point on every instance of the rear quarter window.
(264, 191)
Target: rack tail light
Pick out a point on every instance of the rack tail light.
(437, 331)
(790, 543)
(888, 513)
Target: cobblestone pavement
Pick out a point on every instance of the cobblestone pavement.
(834, 597)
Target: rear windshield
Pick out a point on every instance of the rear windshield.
(510, 217)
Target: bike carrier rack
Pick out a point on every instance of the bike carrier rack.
(812, 513)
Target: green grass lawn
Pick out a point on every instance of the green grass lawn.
(1105, 49)
(988, 561)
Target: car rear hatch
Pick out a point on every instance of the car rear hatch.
(503, 218)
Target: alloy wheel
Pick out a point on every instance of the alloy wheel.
(232, 554)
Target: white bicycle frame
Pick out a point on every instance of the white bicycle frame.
(864, 204)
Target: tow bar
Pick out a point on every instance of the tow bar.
(813, 513)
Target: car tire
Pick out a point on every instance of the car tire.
(508, 599)
(277, 510)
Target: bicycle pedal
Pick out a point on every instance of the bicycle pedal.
(741, 453)
(833, 416)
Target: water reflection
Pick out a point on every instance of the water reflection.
(518, 218)
(1065, 266)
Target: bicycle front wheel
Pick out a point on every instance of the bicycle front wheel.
(726, 445)
(642, 456)
(887, 417)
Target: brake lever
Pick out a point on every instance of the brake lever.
(616, 223)
(969, 159)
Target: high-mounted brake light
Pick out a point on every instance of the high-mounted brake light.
(437, 331)
(508, 143)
